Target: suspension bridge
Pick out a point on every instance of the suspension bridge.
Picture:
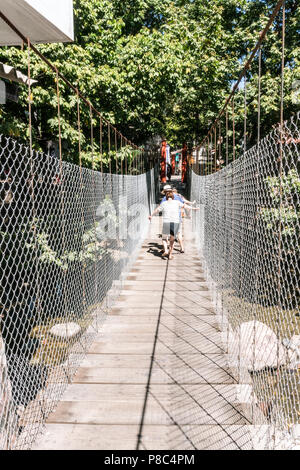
(104, 344)
(156, 375)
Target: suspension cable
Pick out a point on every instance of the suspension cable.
(55, 70)
(247, 65)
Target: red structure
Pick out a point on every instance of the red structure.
(173, 164)
(163, 163)
(184, 163)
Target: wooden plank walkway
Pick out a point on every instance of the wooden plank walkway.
(156, 376)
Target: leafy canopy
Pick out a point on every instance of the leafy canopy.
(153, 67)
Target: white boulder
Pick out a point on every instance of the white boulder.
(259, 346)
(65, 330)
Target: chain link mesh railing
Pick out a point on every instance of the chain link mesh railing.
(68, 236)
(248, 234)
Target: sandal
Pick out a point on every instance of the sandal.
(164, 255)
(171, 257)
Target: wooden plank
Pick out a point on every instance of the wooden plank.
(128, 311)
(110, 411)
(102, 437)
(69, 436)
(160, 375)
(178, 285)
(124, 375)
(195, 310)
(140, 324)
(120, 437)
(121, 404)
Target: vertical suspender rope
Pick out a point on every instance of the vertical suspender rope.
(215, 201)
(143, 161)
(211, 154)
(34, 214)
(29, 98)
(34, 221)
(204, 159)
(245, 114)
(94, 214)
(201, 159)
(215, 137)
(257, 210)
(126, 161)
(109, 157)
(138, 169)
(121, 154)
(82, 207)
(220, 146)
(207, 157)
(103, 196)
(62, 184)
(116, 150)
(119, 182)
(130, 161)
(101, 146)
(61, 181)
(226, 161)
(280, 171)
(133, 162)
(224, 280)
(233, 129)
(259, 97)
(111, 189)
(59, 122)
(232, 200)
(30, 139)
(242, 242)
(110, 167)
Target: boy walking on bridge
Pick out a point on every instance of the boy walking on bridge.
(170, 209)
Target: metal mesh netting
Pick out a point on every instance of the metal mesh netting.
(248, 234)
(68, 236)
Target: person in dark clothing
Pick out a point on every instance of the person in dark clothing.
(169, 171)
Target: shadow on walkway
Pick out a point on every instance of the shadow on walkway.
(157, 376)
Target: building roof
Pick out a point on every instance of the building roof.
(8, 72)
(44, 21)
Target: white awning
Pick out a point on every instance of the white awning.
(42, 21)
(8, 72)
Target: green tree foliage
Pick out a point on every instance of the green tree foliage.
(254, 20)
(154, 67)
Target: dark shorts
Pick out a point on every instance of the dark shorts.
(170, 228)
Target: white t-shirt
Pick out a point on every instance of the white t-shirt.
(171, 210)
